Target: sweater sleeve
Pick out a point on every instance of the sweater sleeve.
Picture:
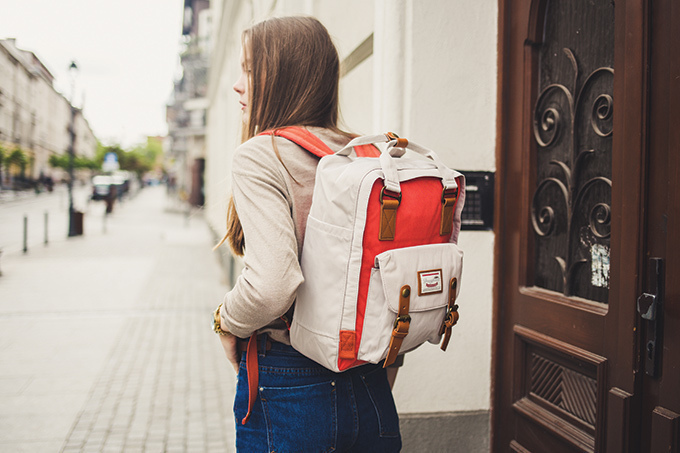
(268, 284)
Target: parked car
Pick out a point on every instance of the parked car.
(101, 187)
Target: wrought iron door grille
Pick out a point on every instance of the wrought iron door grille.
(572, 132)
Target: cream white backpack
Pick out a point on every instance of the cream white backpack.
(381, 266)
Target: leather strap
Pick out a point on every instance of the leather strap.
(313, 144)
(449, 200)
(451, 314)
(389, 203)
(253, 375)
(400, 142)
(367, 151)
(401, 326)
(242, 345)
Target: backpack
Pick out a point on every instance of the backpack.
(381, 266)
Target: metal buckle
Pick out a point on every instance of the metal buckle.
(391, 136)
(453, 192)
(449, 314)
(389, 194)
(404, 318)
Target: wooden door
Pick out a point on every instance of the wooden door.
(588, 175)
(659, 339)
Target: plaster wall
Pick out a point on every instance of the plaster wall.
(41, 139)
(444, 99)
(223, 128)
(6, 90)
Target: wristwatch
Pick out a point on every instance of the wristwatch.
(216, 321)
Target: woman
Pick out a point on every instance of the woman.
(290, 77)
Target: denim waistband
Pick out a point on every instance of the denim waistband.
(277, 349)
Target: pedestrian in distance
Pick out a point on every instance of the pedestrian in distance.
(289, 77)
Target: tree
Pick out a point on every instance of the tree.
(139, 159)
(18, 159)
(79, 162)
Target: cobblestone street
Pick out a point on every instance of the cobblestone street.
(106, 342)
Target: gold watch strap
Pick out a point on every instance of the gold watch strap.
(217, 324)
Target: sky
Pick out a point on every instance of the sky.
(127, 53)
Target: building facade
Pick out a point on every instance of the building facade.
(186, 111)
(427, 71)
(34, 116)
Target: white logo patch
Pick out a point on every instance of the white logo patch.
(430, 282)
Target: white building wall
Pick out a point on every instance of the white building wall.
(224, 115)
(61, 123)
(34, 116)
(432, 79)
(41, 134)
(445, 99)
(86, 142)
(21, 108)
(6, 90)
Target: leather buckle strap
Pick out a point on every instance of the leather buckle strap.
(401, 142)
(242, 345)
(452, 315)
(389, 202)
(401, 326)
(449, 199)
(251, 347)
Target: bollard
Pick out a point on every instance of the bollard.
(25, 234)
(104, 222)
(46, 225)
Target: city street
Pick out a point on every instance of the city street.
(105, 340)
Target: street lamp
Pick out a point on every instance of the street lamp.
(73, 70)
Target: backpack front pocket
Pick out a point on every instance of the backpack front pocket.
(428, 271)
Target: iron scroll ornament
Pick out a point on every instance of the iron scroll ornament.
(571, 206)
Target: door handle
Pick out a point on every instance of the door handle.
(646, 305)
(650, 307)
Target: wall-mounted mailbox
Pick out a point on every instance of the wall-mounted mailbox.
(478, 210)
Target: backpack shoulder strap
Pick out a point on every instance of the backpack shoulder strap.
(367, 151)
(313, 144)
(303, 138)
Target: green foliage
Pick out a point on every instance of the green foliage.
(61, 161)
(17, 158)
(140, 159)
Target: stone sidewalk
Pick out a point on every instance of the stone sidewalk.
(105, 340)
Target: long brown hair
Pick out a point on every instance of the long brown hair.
(295, 74)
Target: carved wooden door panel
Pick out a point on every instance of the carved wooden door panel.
(576, 225)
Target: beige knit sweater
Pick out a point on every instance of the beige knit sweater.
(272, 197)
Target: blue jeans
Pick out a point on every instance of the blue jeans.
(304, 407)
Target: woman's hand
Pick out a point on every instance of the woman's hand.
(231, 349)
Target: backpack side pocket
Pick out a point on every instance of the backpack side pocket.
(427, 269)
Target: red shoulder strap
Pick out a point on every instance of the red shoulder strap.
(367, 151)
(302, 137)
